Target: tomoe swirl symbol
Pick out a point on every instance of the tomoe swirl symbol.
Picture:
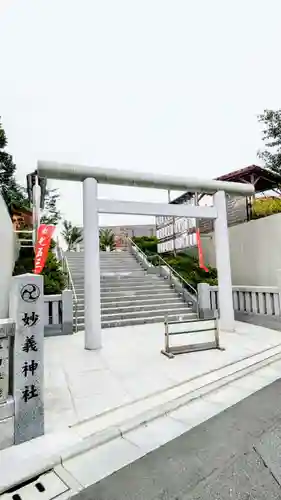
(30, 293)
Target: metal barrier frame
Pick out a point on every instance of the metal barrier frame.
(172, 351)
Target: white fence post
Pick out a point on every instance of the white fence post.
(67, 312)
(204, 301)
(27, 310)
(278, 276)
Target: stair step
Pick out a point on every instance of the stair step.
(121, 278)
(178, 312)
(131, 293)
(125, 272)
(115, 270)
(109, 280)
(139, 321)
(135, 307)
(135, 285)
(120, 265)
(127, 258)
(112, 302)
(140, 308)
(170, 294)
(129, 290)
(127, 263)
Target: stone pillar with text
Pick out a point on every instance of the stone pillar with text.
(26, 308)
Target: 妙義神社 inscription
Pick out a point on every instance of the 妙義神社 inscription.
(26, 308)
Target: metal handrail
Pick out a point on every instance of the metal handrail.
(137, 247)
(71, 285)
(194, 291)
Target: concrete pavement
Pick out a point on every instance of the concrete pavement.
(263, 320)
(234, 455)
(82, 384)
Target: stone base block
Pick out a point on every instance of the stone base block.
(7, 409)
(206, 313)
(7, 437)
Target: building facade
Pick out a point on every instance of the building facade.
(179, 233)
(132, 231)
(175, 233)
(123, 232)
(21, 218)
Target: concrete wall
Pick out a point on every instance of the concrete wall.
(255, 251)
(8, 255)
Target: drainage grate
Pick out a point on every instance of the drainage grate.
(45, 487)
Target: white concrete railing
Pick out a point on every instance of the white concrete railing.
(251, 299)
(58, 311)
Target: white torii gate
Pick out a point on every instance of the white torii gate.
(92, 206)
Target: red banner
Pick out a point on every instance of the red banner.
(44, 237)
(200, 252)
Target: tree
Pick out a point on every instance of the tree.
(51, 214)
(13, 194)
(72, 234)
(107, 240)
(272, 139)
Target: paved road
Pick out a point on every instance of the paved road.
(235, 455)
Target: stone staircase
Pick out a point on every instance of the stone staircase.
(129, 296)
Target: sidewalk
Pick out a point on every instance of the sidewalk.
(81, 384)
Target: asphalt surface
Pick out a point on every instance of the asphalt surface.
(235, 455)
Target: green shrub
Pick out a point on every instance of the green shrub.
(185, 264)
(148, 244)
(54, 277)
(262, 207)
(188, 267)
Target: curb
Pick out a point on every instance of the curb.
(100, 438)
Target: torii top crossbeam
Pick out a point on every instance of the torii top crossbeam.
(63, 171)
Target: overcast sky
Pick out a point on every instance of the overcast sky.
(168, 86)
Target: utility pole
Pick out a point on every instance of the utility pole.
(36, 190)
